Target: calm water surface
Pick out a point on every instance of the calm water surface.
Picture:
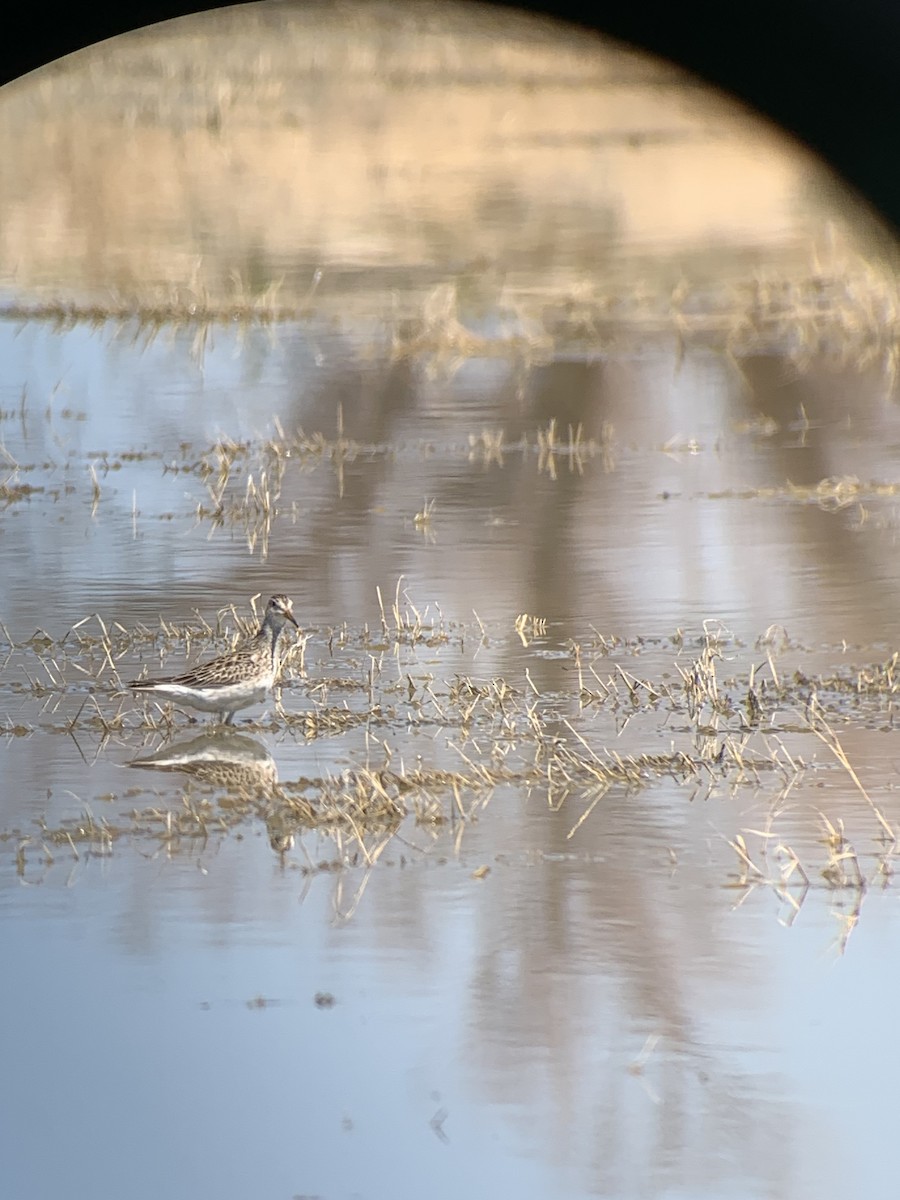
(542, 981)
(547, 1028)
(602, 1012)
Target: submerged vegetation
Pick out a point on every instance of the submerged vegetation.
(728, 730)
(421, 743)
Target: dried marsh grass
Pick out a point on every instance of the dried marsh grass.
(731, 733)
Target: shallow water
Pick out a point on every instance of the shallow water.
(602, 602)
(606, 995)
(546, 1028)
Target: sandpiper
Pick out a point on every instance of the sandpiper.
(235, 680)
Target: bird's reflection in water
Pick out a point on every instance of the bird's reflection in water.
(281, 828)
(220, 757)
(235, 762)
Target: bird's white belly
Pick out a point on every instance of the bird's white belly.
(223, 699)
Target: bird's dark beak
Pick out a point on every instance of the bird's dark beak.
(290, 616)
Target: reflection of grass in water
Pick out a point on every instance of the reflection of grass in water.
(734, 734)
(848, 317)
(244, 481)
